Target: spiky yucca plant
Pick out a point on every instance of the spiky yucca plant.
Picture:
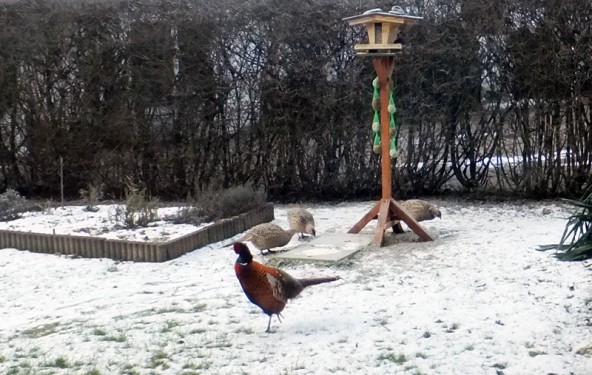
(576, 242)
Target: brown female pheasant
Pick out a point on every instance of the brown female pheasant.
(269, 287)
(267, 236)
(301, 221)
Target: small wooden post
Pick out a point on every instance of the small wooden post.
(62, 180)
(383, 28)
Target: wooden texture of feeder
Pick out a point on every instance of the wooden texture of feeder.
(383, 28)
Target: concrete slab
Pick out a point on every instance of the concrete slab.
(328, 247)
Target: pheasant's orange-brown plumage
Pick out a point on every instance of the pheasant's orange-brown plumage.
(269, 287)
(262, 286)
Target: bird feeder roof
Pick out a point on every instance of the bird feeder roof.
(381, 17)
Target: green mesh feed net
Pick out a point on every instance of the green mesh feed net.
(392, 109)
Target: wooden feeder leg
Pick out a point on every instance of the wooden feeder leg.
(383, 217)
(366, 219)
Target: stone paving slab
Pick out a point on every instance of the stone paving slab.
(328, 247)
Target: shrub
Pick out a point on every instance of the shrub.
(217, 204)
(576, 241)
(190, 214)
(139, 210)
(12, 204)
(231, 201)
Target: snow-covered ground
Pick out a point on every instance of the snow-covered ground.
(478, 300)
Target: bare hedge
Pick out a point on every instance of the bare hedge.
(186, 96)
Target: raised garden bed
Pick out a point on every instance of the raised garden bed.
(137, 251)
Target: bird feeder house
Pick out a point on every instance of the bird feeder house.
(383, 29)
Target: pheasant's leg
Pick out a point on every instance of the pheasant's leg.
(269, 324)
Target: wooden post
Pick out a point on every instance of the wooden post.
(384, 67)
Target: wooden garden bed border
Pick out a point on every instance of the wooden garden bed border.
(137, 251)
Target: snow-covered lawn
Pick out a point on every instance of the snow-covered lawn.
(477, 300)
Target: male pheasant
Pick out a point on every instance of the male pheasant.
(269, 287)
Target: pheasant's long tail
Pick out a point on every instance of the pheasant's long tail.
(318, 280)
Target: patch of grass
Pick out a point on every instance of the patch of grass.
(31, 353)
(93, 372)
(22, 369)
(159, 360)
(199, 307)
(169, 325)
(2, 359)
(99, 332)
(219, 344)
(166, 310)
(197, 331)
(115, 338)
(129, 370)
(586, 350)
(392, 357)
(421, 355)
(201, 366)
(59, 362)
(41, 331)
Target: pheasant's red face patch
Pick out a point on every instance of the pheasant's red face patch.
(238, 247)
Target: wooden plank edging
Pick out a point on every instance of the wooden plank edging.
(137, 251)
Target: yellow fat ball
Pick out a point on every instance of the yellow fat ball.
(376, 127)
(376, 104)
(376, 149)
